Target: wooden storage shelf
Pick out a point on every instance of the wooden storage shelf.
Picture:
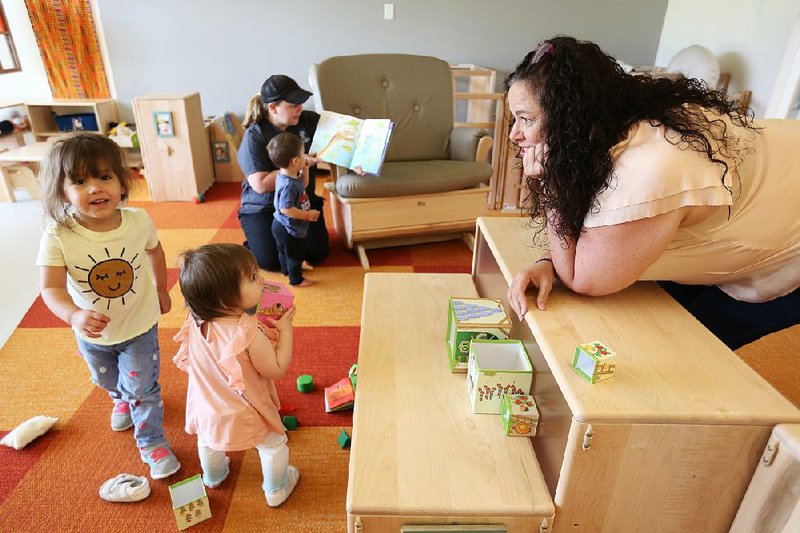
(178, 165)
(671, 440)
(43, 125)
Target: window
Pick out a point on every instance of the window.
(9, 62)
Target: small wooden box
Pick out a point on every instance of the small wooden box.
(473, 318)
(594, 361)
(189, 502)
(519, 415)
(496, 368)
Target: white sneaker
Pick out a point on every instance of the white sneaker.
(306, 266)
(125, 488)
(277, 497)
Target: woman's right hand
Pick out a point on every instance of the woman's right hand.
(541, 275)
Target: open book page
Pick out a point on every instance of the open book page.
(371, 145)
(335, 138)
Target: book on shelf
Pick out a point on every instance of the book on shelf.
(339, 396)
(352, 142)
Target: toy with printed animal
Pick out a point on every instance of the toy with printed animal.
(276, 300)
(473, 318)
(519, 415)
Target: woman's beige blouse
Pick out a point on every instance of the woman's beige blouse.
(750, 247)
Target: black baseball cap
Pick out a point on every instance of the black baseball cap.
(279, 87)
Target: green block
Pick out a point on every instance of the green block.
(305, 383)
(344, 440)
(473, 318)
(290, 422)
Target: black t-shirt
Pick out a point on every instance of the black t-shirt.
(253, 157)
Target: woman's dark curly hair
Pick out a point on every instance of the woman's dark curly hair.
(589, 105)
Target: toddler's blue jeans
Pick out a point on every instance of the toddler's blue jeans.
(129, 372)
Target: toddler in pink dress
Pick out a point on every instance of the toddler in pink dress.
(231, 401)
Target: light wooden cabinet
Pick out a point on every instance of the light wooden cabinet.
(772, 502)
(671, 442)
(43, 122)
(419, 455)
(175, 146)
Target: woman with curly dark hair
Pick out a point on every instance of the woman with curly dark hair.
(640, 178)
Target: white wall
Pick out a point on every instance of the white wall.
(225, 50)
(748, 37)
(31, 82)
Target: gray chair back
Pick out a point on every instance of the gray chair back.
(416, 92)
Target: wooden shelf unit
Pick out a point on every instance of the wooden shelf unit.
(43, 125)
(419, 455)
(672, 440)
(177, 167)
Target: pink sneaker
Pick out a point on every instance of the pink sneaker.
(160, 459)
(121, 416)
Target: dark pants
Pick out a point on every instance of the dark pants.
(290, 253)
(734, 322)
(257, 229)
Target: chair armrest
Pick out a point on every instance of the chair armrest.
(464, 142)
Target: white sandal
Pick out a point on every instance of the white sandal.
(125, 488)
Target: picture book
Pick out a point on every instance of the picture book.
(339, 396)
(352, 142)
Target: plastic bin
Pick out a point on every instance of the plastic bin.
(76, 122)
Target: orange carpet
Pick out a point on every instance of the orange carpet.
(52, 484)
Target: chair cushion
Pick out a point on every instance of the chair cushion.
(416, 92)
(406, 178)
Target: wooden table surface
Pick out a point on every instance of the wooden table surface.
(670, 368)
(417, 447)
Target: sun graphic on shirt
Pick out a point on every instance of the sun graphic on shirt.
(110, 278)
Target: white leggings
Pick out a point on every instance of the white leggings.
(274, 455)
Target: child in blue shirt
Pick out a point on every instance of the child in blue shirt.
(293, 213)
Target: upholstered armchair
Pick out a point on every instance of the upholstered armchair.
(433, 183)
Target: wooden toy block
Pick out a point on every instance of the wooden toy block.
(290, 422)
(305, 383)
(276, 300)
(496, 368)
(353, 374)
(519, 415)
(344, 440)
(473, 318)
(189, 502)
(594, 361)
(286, 408)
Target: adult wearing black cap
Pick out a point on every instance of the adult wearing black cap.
(278, 108)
